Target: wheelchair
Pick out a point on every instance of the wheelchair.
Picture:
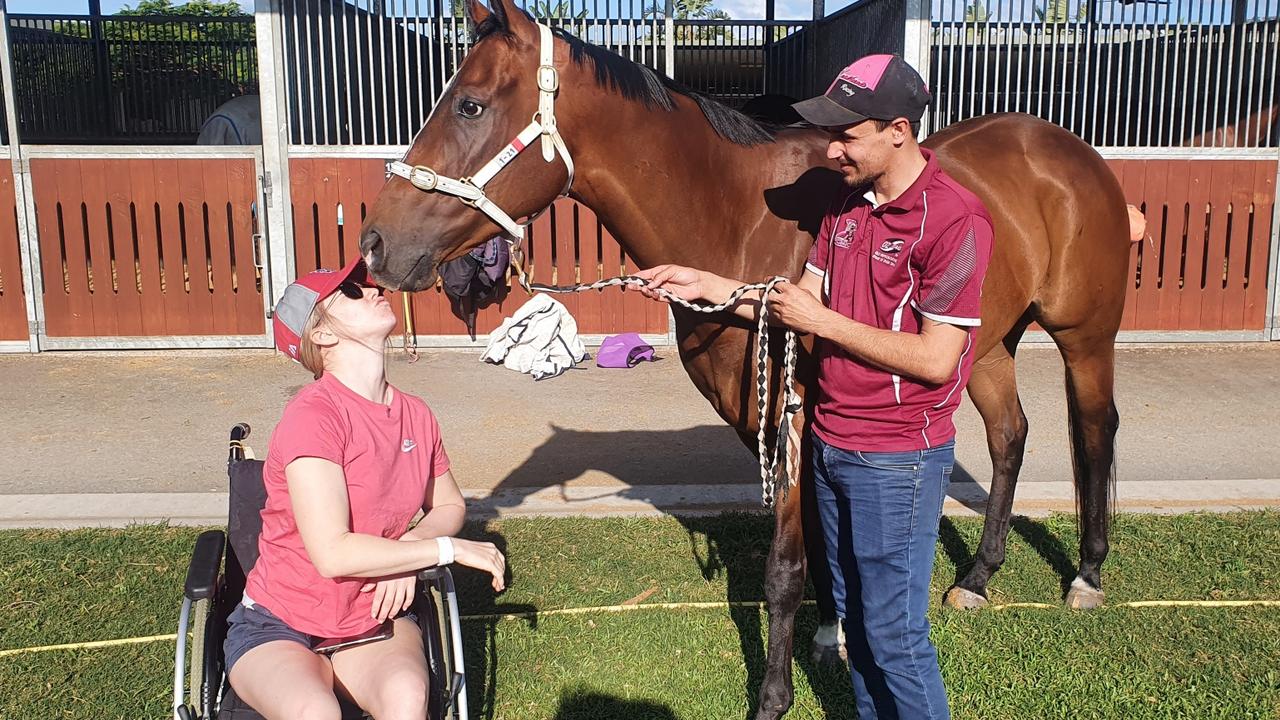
(214, 588)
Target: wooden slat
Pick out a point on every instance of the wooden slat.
(1177, 198)
(93, 188)
(589, 264)
(168, 194)
(1264, 199)
(1131, 176)
(1191, 296)
(1212, 292)
(155, 304)
(217, 193)
(44, 190)
(13, 308)
(242, 194)
(128, 301)
(80, 321)
(191, 187)
(302, 193)
(327, 212)
(1241, 192)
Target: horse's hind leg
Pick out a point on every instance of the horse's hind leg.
(1091, 412)
(994, 391)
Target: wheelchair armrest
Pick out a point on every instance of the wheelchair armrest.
(206, 561)
(432, 573)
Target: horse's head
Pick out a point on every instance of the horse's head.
(491, 100)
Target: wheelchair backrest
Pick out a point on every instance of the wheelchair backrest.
(244, 515)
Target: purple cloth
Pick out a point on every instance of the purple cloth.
(623, 351)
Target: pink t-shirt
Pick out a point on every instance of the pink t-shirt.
(389, 455)
(923, 254)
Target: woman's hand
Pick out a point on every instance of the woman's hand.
(483, 556)
(391, 595)
(686, 283)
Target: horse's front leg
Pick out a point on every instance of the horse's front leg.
(783, 589)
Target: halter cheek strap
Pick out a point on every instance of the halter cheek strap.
(470, 190)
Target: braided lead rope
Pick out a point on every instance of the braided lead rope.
(769, 462)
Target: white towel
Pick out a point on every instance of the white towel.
(540, 339)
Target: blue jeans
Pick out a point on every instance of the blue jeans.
(880, 514)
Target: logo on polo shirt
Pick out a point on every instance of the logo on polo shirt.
(889, 252)
(407, 445)
(844, 238)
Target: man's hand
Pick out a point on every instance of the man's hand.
(798, 309)
(683, 282)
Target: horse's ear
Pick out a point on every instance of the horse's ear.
(514, 19)
(477, 12)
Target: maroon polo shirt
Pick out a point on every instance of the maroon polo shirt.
(923, 254)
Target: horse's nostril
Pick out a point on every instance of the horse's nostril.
(372, 249)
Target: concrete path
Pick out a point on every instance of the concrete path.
(94, 439)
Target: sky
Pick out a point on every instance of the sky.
(1109, 10)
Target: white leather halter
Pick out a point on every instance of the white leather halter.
(470, 190)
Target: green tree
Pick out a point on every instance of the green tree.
(692, 10)
(1059, 11)
(562, 10)
(194, 8)
(976, 12)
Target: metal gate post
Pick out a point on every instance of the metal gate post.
(28, 244)
(917, 42)
(669, 35)
(275, 147)
(1273, 260)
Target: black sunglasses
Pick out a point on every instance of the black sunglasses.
(355, 290)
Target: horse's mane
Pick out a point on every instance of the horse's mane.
(640, 83)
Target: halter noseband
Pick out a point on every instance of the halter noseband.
(470, 190)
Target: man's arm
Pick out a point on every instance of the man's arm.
(931, 356)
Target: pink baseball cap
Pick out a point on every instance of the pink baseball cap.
(302, 296)
(881, 87)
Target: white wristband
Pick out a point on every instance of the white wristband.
(444, 547)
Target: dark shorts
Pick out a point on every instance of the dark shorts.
(250, 627)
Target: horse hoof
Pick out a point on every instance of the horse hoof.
(957, 598)
(828, 654)
(1083, 596)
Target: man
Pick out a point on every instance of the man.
(891, 291)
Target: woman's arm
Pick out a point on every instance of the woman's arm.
(318, 492)
(446, 510)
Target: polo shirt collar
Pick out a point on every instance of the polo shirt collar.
(911, 196)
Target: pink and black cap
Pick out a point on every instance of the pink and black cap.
(876, 87)
(302, 296)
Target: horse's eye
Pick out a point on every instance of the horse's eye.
(470, 109)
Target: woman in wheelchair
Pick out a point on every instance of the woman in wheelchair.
(348, 467)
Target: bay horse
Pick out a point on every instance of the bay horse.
(679, 178)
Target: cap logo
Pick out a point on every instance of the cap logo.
(850, 76)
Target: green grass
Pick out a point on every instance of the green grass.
(59, 587)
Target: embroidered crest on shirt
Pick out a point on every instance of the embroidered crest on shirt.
(408, 445)
(889, 252)
(844, 238)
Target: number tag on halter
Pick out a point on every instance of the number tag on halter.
(508, 154)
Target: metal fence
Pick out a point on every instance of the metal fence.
(1148, 75)
(127, 79)
(735, 61)
(863, 28)
(368, 72)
